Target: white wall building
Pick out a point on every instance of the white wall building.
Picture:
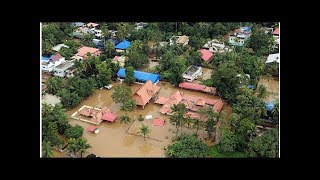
(192, 73)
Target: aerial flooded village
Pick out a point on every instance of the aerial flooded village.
(160, 89)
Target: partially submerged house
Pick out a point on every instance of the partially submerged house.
(141, 77)
(84, 50)
(182, 40)
(192, 73)
(58, 47)
(192, 103)
(206, 55)
(146, 92)
(94, 115)
(240, 36)
(273, 58)
(198, 87)
(65, 69)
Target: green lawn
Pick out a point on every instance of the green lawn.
(214, 152)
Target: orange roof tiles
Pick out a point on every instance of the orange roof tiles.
(192, 103)
(92, 24)
(206, 55)
(82, 52)
(158, 122)
(218, 106)
(143, 95)
(162, 100)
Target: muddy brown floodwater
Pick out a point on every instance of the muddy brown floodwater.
(113, 141)
(272, 86)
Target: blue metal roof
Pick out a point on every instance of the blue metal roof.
(44, 58)
(123, 45)
(269, 106)
(142, 76)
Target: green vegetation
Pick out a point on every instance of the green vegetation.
(144, 130)
(74, 132)
(129, 75)
(266, 145)
(233, 71)
(77, 147)
(54, 122)
(121, 94)
(260, 42)
(129, 105)
(187, 147)
(125, 119)
(140, 118)
(47, 150)
(216, 153)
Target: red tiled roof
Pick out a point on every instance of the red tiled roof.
(56, 57)
(143, 95)
(192, 86)
(88, 112)
(158, 122)
(162, 100)
(218, 106)
(276, 31)
(206, 55)
(211, 90)
(109, 116)
(211, 101)
(116, 58)
(92, 128)
(92, 24)
(82, 52)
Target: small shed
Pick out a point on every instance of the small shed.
(158, 122)
(93, 129)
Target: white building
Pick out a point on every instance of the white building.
(240, 36)
(216, 46)
(65, 69)
(273, 58)
(47, 65)
(192, 73)
(183, 40)
(140, 25)
(58, 47)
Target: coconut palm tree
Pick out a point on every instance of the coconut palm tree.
(72, 146)
(47, 149)
(275, 111)
(179, 110)
(144, 130)
(125, 119)
(82, 146)
(212, 120)
(262, 91)
(197, 124)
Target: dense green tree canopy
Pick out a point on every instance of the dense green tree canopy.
(266, 145)
(121, 94)
(74, 132)
(129, 79)
(187, 147)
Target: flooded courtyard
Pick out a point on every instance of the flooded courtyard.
(272, 86)
(120, 140)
